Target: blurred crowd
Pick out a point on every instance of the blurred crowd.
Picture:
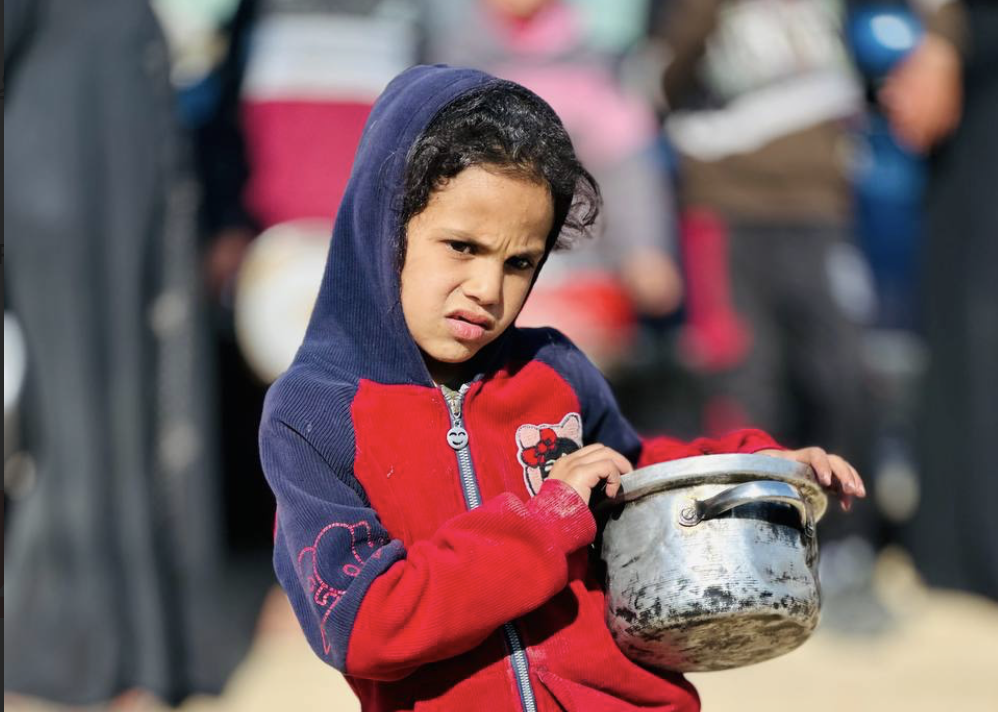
(800, 234)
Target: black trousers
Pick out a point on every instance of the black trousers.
(802, 378)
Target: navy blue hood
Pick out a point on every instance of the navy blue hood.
(357, 326)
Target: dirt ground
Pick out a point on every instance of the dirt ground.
(940, 654)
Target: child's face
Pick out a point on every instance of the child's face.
(470, 260)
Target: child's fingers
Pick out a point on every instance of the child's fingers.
(564, 463)
(623, 463)
(602, 453)
(583, 452)
(613, 485)
(818, 460)
(845, 474)
(585, 477)
(591, 474)
(859, 480)
(831, 471)
(589, 453)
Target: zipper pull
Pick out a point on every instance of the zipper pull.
(457, 437)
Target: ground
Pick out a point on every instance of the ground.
(938, 654)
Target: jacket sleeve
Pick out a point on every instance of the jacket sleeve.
(684, 26)
(604, 423)
(662, 449)
(374, 610)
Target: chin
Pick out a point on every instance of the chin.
(453, 353)
(454, 357)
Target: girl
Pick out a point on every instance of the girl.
(432, 463)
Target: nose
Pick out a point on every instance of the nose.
(484, 283)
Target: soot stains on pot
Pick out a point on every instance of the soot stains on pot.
(625, 614)
(630, 561)
(720, 597)
(663, 635)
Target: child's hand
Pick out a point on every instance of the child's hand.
(832, 471)
(584, 469)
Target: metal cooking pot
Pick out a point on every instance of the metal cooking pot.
(712, 562)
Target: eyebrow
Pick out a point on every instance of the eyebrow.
(472, 240)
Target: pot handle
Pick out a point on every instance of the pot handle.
(760, 491)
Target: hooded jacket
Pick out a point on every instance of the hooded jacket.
(424, 552)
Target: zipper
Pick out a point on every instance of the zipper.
(521, 667)
(457, 438)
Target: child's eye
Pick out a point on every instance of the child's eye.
(465, 248)
(521, 264)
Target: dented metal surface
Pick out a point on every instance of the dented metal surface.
(735, 588)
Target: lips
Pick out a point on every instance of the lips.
(468, 326)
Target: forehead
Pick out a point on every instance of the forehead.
(491, 205)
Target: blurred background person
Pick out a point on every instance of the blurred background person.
(759, 99)
(943, 100)
(276, 128)
(758, 95)
(114, 552)
(568, 53)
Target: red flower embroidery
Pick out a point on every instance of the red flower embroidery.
(537, 455)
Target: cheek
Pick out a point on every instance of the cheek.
(424, 297)
(515, 293)
(413, 298)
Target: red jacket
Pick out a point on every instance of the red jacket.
(405, 585)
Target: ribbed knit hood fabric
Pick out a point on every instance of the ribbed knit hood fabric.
(357, 327)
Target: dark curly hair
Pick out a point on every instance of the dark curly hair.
(503, 126)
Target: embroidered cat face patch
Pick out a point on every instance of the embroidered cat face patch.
(539, 446)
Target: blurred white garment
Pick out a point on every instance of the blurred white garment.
(774, 67)
(14, 368)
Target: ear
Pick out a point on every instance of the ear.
(528, 436)
(571, 428)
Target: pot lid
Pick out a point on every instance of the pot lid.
(721, 469)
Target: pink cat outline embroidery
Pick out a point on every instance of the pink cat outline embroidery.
(539, 446)
(324, 595)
